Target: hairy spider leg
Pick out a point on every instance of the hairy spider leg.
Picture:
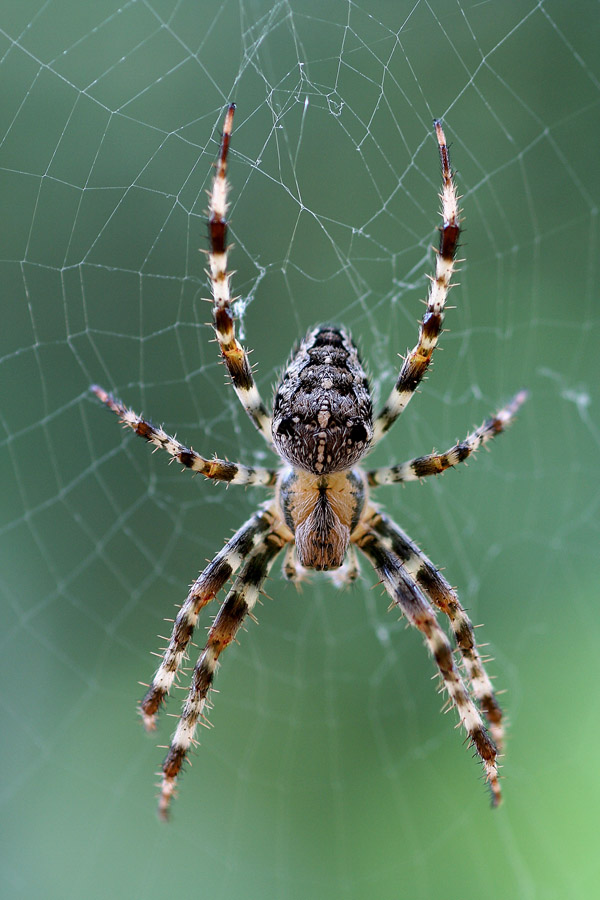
(291, 568)
(435, 587)
(435, 463)
(205, 588)
(349, 572)
(234, 355)
(216, 469)
(238, 604)
(417, 360)
(412, 602)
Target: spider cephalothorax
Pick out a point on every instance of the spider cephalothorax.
(321, 512)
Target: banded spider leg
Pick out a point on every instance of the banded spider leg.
(238, 604)
(413, 603)
(234, 355)
(417, 360)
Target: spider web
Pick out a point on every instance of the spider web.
(329, 771)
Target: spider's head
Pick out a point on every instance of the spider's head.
(321, 512)
(322, 413)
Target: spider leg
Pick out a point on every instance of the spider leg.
(204, 589)
(238, 603)
(433, 584)
(410, 599)
(417, 360)
(342, 577)
(291, 568)
(348, 573)
(234, 355)
(217, 469)
(435, 463)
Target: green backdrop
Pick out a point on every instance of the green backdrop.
(329, 771)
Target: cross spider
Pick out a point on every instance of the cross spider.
(320, 511)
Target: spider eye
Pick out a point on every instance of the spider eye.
(358, 433)
(286, 427)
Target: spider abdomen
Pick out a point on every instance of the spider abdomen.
(322, 411)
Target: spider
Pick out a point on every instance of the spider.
(320, 510)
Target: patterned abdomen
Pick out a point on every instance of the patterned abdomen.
(322, 411)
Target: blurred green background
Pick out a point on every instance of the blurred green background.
(329, 772)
